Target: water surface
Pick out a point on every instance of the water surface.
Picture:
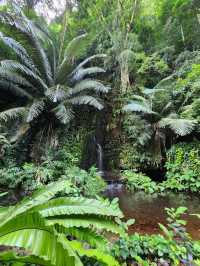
(148, 210)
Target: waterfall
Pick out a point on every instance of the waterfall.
(100, 158)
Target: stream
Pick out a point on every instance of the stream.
(148, 210)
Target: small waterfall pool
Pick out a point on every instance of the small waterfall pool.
(148, 210)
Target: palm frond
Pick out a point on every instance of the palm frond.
(42, 54)
(89, 84)
(87, 60)
(27, 28)
(12, 113)
(14, 89)
(181, 127)
(65, 115)
(20, 51)
(86, 100)
(152, 91)
(76, 48)
(35, 110)
(82, 72)
(14, 78)
(138, 107)
(56, 94)
(12, 65)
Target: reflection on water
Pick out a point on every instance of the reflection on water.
(148, 210)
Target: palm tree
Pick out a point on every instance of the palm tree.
(45, 230)
(48, 81)
(157, 108)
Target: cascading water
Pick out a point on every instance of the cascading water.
(100, 158)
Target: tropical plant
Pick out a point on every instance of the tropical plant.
(183, 166)
(137, 181)
(157, 108)
(45, 230)
(173, 247)
(47, 79)
(89, 183)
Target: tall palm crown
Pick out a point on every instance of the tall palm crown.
(48, 81)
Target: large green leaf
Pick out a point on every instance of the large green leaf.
(94, 253)
(92, 222)
(40, 197)
(77, 205)
(13, 257)
(30, 232)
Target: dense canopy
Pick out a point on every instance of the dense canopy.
(99, 99)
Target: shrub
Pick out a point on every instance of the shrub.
(183, 167)
(138, 181)
(89, 184)
(172, 248)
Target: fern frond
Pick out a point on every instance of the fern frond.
(39, 197)
(88, 235)
(11, 256)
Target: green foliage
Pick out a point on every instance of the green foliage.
(137, 181)
(183, 167)
(55, 164)
(173, 248)
(39, 225)
(52, 84)
(153, 69)
(131, 157)
(30, 177)
(89, 184)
